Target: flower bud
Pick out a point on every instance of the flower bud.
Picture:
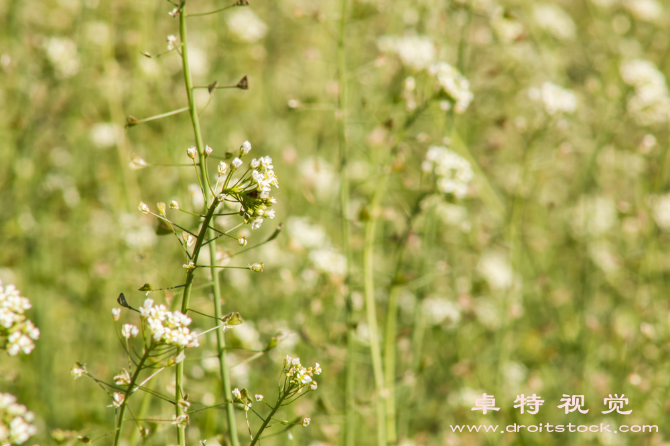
(208, 150)
(161, 208)
(116, 314)
(236, 163)
(246, 148)
(222, 168)
(192, 152)
(242, 240)
(143, 208)
(174, 204)
(256, 267)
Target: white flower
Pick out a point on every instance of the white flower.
(453, 171)
(305, 422)
(15, 419)
(170, 42)
(554, 98)
(116, 314)
(208, 150)
(245, 25)
(555, 20)
(256, 223)
(16, 332)
(62, 53)
(242, 240)
(452, 82)
(78, 370)
(496, 269)
(222, 168)
(117, 399)
(129, 330)
(259, 397)
(192, 152)
(143, 208)
(313, 386)
(246, 148)
(416, 52)
(122, 378)
(189, 265)
(168, 327)
(236, 394)
(650, 104)
(236, 163)
(329, 261)
(439, 310)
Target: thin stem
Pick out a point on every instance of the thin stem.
(371, 309)
(216, 288)
(119, 422)
(200, 14)
(350, 379)
(267, 419)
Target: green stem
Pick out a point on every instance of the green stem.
(216, 286)
(350, 378)
(390, 363)
(122, 410)
(267, 419)
(370, 308)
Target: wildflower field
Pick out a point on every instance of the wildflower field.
(334, 222)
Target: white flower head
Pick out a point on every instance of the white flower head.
(192, 152)
(117, 399)
(237, 394)
(222, 168)
(259, 397)
(116, 314)
(236, 163)
(246, 148)
(174, 204)
(208, 150)
(305, 422)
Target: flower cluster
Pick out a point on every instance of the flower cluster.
(299, 376)
(168, 327)
(416, 52)
(16, 332)
(252, 190)
(650, 103)
(453, 171)
(452, 82)
(555, 99)
(555, 21)
(15, 419)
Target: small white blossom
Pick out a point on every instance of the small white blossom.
(117, 399)
(417, 52)
(242, 240)
(222, 168)
(246, 148)
(305, 422)
(554, 98)
(454, 84)
(143, 208)
(180, 421)
(259, 397)
(208, 150)
(453, 171)
(170, 42)
(129, 330)
(236, 163)
(237, 394)
(174, 204)
(116, 314)
(78, 370)
(122, 378)
(192, 152)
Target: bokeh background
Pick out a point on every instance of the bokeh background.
(548, 277)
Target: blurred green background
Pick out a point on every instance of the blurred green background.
(550, 277)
